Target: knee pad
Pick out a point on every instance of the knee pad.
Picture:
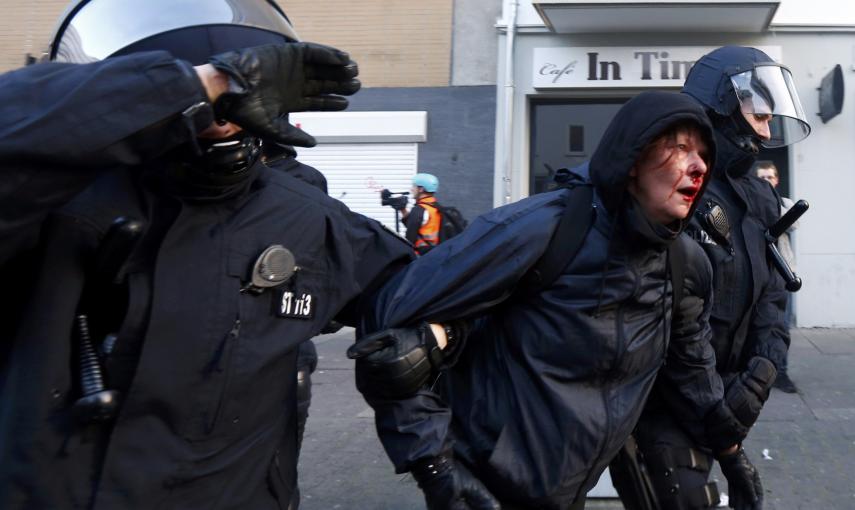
(672, 467)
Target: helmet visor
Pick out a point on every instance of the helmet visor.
(770, 104)
(99, 29)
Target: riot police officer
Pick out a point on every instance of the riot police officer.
(752, 103)
(163, 276)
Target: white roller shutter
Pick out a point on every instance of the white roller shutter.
(356, 172)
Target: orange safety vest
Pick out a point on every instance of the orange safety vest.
(429, 231)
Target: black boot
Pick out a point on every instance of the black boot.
(784, 383)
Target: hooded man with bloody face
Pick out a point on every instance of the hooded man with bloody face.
(540, 384)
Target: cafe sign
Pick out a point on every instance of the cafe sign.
(620, 66)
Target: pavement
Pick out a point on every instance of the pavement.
(803, 444)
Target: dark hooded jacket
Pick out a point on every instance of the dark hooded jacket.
(549, 385)
(206, 370)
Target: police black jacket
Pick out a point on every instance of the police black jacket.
(550, 385)
(748, 314)
(207, 372)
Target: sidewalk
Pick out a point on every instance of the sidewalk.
(810, 436)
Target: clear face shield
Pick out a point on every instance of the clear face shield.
(770, 104)
(100, 28)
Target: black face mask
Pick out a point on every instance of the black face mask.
(222, 170)
(226, 158)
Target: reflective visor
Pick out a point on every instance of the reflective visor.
(769, 100)
(101, 28)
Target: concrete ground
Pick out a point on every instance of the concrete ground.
(804, 444)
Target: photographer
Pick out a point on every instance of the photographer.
(424, 220)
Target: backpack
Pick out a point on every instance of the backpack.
(451, 222)
(567, 240)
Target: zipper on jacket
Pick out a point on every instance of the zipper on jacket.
(233, 337)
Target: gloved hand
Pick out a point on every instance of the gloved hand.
(267, 82)
(450, 486)
(396, 362)
(743, 481)
(747, 393)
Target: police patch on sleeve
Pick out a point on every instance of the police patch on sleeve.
(292, 304)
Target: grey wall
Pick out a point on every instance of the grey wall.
(474, 40)
(460, 142)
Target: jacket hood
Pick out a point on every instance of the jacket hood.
(640, 121)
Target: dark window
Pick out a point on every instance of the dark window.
(577, 139)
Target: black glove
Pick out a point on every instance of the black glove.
(743, 481)
(723, 429)
(730, 422)
(267, 82)
(747, 393)
(395, 363)
(450, 486)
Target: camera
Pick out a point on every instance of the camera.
(397, 201)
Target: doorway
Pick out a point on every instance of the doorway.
(565, 133)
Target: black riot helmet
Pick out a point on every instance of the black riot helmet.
(750, 98)
(91, 30)
(191, 30)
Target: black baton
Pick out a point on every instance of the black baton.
(97, 403)
(792, 282)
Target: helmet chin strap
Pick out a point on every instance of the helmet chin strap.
(747, 143)
(738, 131)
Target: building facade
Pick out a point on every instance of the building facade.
(572, 64)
